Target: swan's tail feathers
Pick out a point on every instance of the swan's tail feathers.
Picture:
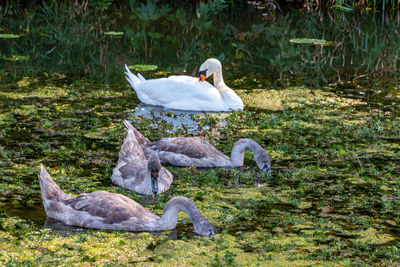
(130, 149)
(141, 77)
(49, 189)
(143, 141)
(128, 125)
(129, 143)
(132, 78)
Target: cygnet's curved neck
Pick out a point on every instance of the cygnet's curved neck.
(237, 154)
(153, 162)
(173, 207)
(149, 154)
(143, 141)
(145, 187)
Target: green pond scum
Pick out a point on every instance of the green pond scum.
(332, 198)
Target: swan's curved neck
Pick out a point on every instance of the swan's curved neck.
(143, 141)
(145, 187)
(237, 154)
(174, 206)
(219, 81)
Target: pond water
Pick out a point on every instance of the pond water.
(178, 119)
(332, 197)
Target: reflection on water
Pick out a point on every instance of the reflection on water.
(176, 118)
(34, 213)
(182, 230)
(57, 225)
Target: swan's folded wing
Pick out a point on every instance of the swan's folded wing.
(112, 208)
(178, 92)
(192, 147)
(201, 91)
(134, 170)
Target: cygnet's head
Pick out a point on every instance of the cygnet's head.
(209, 67)
(204, 228)
(154, 166)
(263, 161)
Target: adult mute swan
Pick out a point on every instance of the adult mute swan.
(188, 93)
(194, 151)
(103, 210)
(139, 170)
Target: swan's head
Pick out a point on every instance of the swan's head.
(263, 161)
(204, 227)
(154, 166)
(208, 68)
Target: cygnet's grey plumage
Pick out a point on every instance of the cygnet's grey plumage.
(194, 151)
(197, 152)
(140, 170)
(103, 210)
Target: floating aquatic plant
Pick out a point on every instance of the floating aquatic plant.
(9, 36)
(112, 33)
(312, 41)
(17, 58)
(143, 67)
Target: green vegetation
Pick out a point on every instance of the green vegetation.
(8, 36)
(143, 67)
(332, 197)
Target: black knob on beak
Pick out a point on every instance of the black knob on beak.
(266, 169)
(202, 75)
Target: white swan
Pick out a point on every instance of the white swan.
(139, 170)
(103, 210)
(194, 151)
(188, 93)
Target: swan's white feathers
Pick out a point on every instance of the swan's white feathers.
(185, 92)
(158, 92)
(141, 77)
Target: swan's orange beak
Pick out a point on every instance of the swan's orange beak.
(202, 75)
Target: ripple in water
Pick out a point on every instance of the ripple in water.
(176, 118)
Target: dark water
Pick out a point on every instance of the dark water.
(251, 47)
